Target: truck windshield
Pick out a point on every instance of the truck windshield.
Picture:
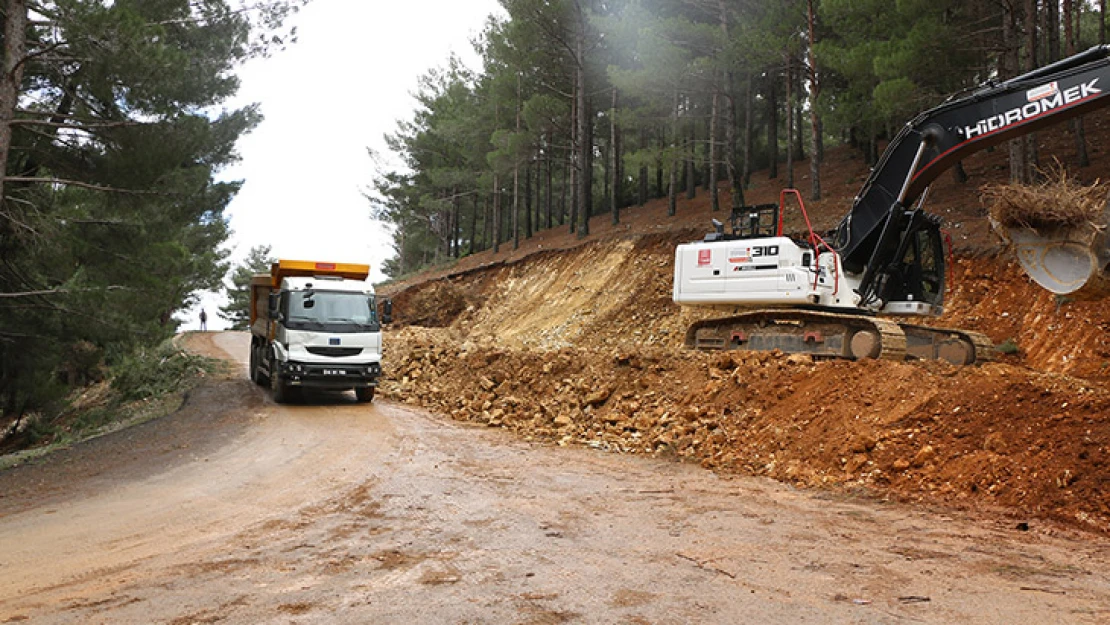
(331, 311)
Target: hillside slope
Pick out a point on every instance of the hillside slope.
(582, 344)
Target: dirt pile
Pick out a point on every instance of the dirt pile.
(992, 435)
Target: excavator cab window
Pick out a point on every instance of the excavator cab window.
(752, 222)
(922, 268)
(930, 251)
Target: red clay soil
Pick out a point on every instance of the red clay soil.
(584, 346)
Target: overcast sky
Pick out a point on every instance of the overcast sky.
(344, 84)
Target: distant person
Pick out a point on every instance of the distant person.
(203, 321)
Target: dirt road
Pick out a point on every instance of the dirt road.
(241, 511)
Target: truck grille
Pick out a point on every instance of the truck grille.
(335, 352)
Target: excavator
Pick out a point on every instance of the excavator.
(827, 295)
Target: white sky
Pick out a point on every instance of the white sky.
(338, 90)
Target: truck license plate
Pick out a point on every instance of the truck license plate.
(335, 372)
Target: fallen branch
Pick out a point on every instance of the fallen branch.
(704, 565)
(1060, 201)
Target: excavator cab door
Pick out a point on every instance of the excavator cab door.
(928, 250)
(915, 284)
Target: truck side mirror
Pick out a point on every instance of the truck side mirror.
(387, 311)
(274, 305)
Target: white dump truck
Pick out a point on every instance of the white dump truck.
(316, 325)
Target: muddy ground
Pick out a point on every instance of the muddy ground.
(238, 510)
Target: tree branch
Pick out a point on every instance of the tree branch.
(83, 124)
(83, 185)
(59, 291)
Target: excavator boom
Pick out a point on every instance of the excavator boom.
(871, 235)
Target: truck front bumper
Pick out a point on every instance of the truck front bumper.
(330, 376)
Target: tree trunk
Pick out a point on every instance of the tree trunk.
(487, 223)
(799, 118)
(496, 213)
(816, 142)
(11, 78)
(749, 138)
(789, 121)
(691, 160)
(528, 200)
(660, 191)
(703, 176)
(772, 128)
(1009, 67)
(1102, 22)
(615, 168)
(473, 223)
(548, 161)
(643, 191)
(736, 175)
(583, 124)
(711, 174)
(588, 171)
(607, 170)
(514, 219)
(672, 186)
(455, 227)
(959, 174)
(1052, 16)
(572, 165)
(1030, 140)
(1071, 37)
(563, 192)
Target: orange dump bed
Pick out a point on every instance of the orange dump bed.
(309, 268)
(262, 284)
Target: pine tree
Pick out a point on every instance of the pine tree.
(237, 310)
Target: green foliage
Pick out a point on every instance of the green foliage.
(118, 216)
(1009, 346)
(878, 63)
(144, 384)
(237, 310)
(148, 373)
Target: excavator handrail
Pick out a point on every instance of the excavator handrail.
(815, 239)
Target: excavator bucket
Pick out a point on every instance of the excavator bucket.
(1060, 233)
(1069, 260)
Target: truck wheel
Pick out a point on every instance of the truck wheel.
(256, 374)
(365, 394)
(260, 378)
(280, 389)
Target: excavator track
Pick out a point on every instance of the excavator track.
(838, 336)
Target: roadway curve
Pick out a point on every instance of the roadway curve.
(237, 510)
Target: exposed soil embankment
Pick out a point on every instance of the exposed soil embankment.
(585, 347)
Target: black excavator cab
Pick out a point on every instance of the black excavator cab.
(918, 274)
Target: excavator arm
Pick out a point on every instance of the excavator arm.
(883, 230)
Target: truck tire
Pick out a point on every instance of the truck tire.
(256, 374)
(281, 390)
(365, 395)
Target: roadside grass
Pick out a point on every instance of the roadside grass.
(146, 385)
